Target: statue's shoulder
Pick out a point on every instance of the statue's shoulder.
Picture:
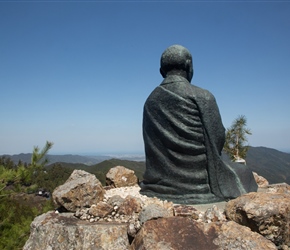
(202, 93)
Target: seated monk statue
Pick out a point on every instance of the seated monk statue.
(184, 137)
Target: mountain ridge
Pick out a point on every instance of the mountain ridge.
(270, 163)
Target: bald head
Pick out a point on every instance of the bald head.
(176, 59)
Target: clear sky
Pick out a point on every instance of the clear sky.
(77, 73)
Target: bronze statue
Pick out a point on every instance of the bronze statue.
(184, 136)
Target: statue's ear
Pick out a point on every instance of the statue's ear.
(162, 73)
(189, 69)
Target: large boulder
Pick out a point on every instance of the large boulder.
(82, 189)
(265, 213)
(64, 231)
(178, 233)
(120, 176)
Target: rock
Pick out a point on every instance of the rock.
(120, 176)
(261, 181)
(178, 233)
(81, 213)
(82, 189)
(184, 210)
(234, 236)
(265, 213)
(213, 214)
(125, 216)
(116, 200)
(154, 211)
(64, 231)
(101, 209)
(278, 188)
(129, 206)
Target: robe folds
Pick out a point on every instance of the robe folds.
(183, 137)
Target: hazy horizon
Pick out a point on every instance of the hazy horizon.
(117, 153)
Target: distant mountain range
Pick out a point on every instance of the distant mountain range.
(69, 158)
(272, 164)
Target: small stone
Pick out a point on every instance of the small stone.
(131, 230)
(83, 217)
(184, 210)
(102, 209)
(213, 214)
(137, 225)
(130, 205)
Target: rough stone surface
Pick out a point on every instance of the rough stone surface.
(179, 233)
(64, 231)
(265, 213)
(101, 209)
(261, 181)
(153, 211)
(163, 225)
(213, 214)
(82, 189)
(278, 188)
(130, 205)
(120, 176)
(184, 211)
(116, 200)
(234, 236)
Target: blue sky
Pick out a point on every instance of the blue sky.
(77, 73)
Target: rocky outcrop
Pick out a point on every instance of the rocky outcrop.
(261, 181)
(184, 233)
(265, 213)
(120, 176)
(82, 189)
(122, 218)
(65, 231)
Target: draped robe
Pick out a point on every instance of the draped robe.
(184, 136)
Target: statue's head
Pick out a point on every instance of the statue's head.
(176, 60)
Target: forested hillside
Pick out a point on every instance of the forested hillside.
(270, 163)
(100, 169)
